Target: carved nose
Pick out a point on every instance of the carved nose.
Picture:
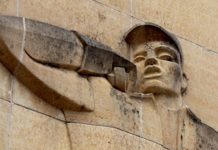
(151, 61)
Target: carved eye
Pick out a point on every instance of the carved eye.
(139, 58)
(167, 58)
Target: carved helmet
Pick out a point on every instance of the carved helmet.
(151, 32)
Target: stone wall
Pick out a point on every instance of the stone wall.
(28, 122)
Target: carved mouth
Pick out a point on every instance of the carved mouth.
(152, 71)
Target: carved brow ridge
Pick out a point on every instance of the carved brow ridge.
(166, 48)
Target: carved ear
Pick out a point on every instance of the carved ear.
(184, 84)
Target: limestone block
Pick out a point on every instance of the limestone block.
(53, 12)
(207, 137)
(4, 124)
(24, 97)
(5, 83)
(115, 109)
(121, 5)
(99, 22)
(31, 130)
(87, 17)
(52, 45)
(62, 88)
(189, 135)
(180, 18)
(8, 7)
(12, 35)
(107, 138)
(159, 12)
(54, 48)
(201, 69)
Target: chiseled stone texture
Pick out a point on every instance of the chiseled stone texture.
(207, 138)
(85, 16)
(201, 68)
(4, 124)
(54, 12)
(5, 83)
(66, 82)
(120, 5)
(111, 24)
(24, 97)
(180, 18)
(31, 130)
(49, 44)
(8, 7)
(12, 34)
(115, 109)
(85, 137)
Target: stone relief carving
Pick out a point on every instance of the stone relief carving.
(39, 50)
(54, 62)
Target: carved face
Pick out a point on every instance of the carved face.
(158, 68)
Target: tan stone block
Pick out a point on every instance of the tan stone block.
(115, 109)
(31, 130)
(99, 22)
(159, 12)
(4, 124)
(107, 138)
(188, 135)
(12, 35)
(208, 8)
(54, 11)
(24, 96)
(49, 44)
(5, 83)
(121, 5)
(192, 20)
(8, 7)
(56, 86)
(200, 67)
(195, 25)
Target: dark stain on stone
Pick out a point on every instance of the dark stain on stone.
(101, 17)
(126, 107)
(207, 137)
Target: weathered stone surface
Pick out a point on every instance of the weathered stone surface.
(207, 137)
(11, 40)
(121, 5)
(114, 108)
(31, 130)
(59, 85)
(52, 12)
(180, 18)
(4, 124)
(24, 97)
(188, 135)
(8, 7)
(100, 61)
(5, 83)
(107, 138)
(119, 79)
(200, 67)
(52, 45)
(108, 30)
(60, 94)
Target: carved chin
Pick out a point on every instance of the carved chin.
(158, 87)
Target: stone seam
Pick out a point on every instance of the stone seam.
(10, 119)
(120, 130)
(68, 122)
(40, 112)
(68, 131)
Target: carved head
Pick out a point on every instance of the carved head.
(158, 59)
